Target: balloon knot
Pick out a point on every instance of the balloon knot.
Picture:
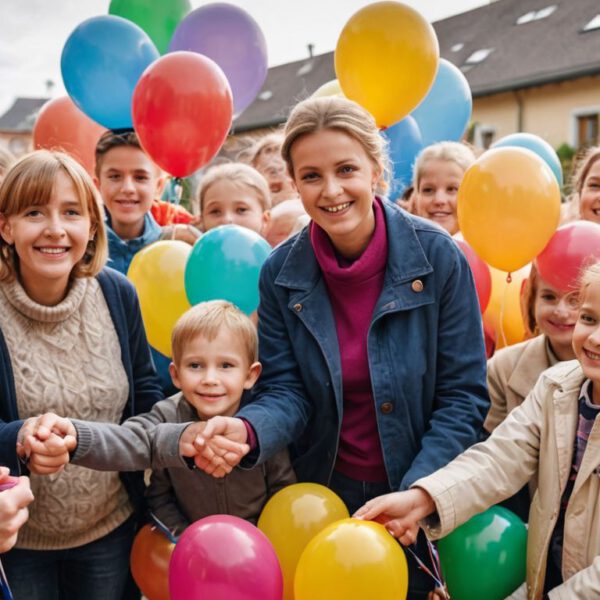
(508, 278)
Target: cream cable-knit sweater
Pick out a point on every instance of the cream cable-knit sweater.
(67, 359)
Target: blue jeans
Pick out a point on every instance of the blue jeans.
(95, 571)
(355, 493)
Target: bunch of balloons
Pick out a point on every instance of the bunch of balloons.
(181, 104)
(170, 276)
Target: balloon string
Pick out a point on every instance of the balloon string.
(436, 574)
(158, 524)
(502, 308)
(6, 593)
(178, 189)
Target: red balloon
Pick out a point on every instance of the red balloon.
(481, 274)
(569, 251)
(60, 125)
(150, 556)
(182, 111)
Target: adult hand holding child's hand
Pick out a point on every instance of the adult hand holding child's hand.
(46, 442)
(217, 445)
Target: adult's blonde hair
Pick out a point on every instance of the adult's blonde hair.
(241, 175)
(340, 114)
(207, 319)
(30, 182)
(455, 152)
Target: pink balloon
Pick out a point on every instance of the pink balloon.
(224, 558)
(481, 274)
(569, 251)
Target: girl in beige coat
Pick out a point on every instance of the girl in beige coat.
(550, 316)
(554, 435)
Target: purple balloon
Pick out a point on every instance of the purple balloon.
(224, 558)
(232, 38)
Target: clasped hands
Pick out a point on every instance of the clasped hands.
(216, 446)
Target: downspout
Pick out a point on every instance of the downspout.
(519, 99)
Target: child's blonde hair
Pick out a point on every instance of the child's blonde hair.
(527, 300)
(240, 175)
(455, 152)
(340, 114)
(207, 319)
(30, 182)
(590, 275)
(571, 210)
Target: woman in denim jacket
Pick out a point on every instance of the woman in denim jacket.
(369, 328)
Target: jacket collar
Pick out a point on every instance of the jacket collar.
(531, 363)
(151, 233)
(406, 258)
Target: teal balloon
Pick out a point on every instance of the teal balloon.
(486, 556)
(224, 265)
(536, 144)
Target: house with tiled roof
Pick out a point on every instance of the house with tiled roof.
(533, 65)
(16, 124)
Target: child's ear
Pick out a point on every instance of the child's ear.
(174, 375)
(6, 230)
(96, 182)
(266, 222)
(161, 180)
(253, 375)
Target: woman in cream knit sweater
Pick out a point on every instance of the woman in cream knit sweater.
(71, 341)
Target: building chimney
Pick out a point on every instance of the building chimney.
(311, 48)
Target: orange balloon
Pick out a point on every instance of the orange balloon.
(60, 125)
(508, 207)
(150, 556)
(503, 314)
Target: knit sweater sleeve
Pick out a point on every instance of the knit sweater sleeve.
(149, 440)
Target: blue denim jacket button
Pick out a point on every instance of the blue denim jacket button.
(387, 408)
(297, 307)
(417, 285)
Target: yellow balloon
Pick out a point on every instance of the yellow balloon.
(503, 314)
(353, 560)
(292, 517)
(508, 207)
(331, 88)
(157, 274)
(386, 59)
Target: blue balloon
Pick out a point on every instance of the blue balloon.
(444, 113)
(101, 63)
(538, 145)
(224, 265)
(405, 143)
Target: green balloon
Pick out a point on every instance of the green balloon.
(486, 556)
(158, 18)
(224, 265)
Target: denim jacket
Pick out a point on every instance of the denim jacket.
(425, 349)
(121, 252)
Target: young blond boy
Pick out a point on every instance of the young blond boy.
(214, 361)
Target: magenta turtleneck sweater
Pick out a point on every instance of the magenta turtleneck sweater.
(354, 288)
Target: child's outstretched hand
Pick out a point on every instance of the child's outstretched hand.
(216, 447)
(46, 442)
(399, 512)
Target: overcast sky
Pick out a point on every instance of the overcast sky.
(34, 32)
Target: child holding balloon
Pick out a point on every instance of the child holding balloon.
(438, 171)
(234, 194)
(554, 436)
(215, 352)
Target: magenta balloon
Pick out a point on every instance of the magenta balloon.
(224, 558)
(232, 38)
